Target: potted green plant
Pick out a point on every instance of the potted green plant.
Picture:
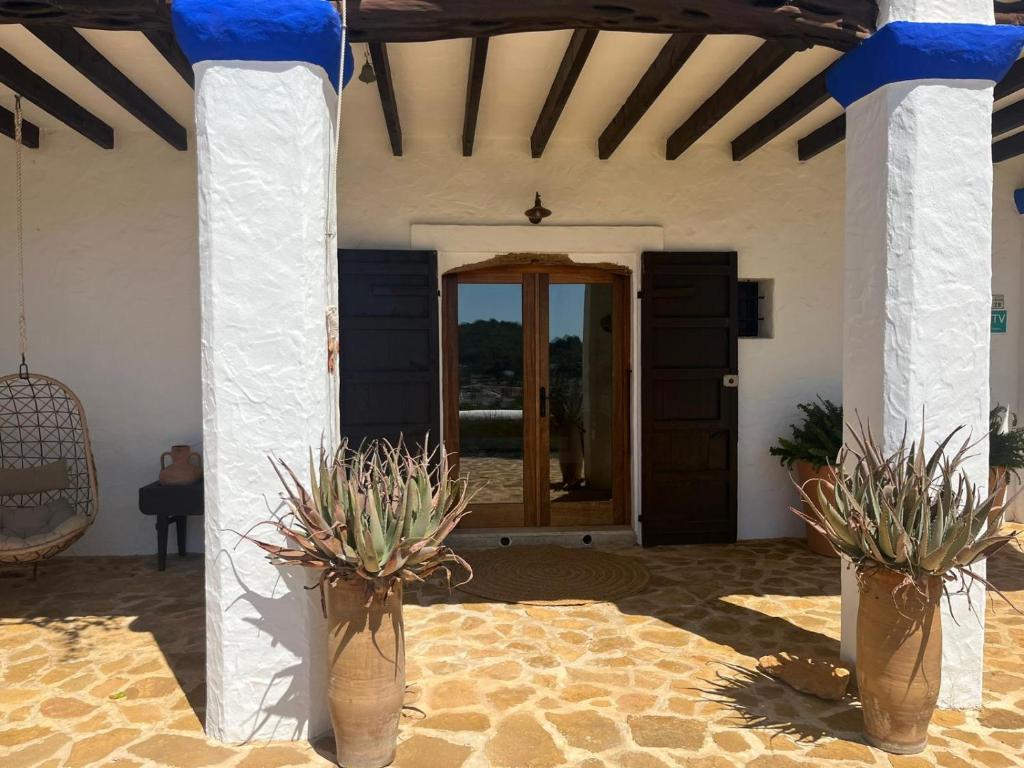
(910, 522)
(1005, 451)
(810, 452)
(371, 520)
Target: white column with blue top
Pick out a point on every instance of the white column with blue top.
(266, 94)
(918, 96)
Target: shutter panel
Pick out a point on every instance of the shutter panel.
(688, 428)
(390, 376)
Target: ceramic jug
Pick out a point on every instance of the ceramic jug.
(181, 470)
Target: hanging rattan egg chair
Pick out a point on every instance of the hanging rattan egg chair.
(48, 494)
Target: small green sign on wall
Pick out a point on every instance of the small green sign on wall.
(998, 321)
(998, 313)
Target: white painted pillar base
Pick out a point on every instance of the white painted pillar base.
(918, 290)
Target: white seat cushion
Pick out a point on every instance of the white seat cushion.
(37, 525)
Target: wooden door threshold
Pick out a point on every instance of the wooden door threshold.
(570, 536)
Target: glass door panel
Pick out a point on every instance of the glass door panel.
(580, 377)
(490, 392)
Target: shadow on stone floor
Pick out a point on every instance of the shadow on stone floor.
(1008, 576)
(754, 698)
(64, 601)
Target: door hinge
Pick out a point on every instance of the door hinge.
(639, 294)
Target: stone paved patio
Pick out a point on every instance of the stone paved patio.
(102, 665)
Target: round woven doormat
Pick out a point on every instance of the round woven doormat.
(553, 575)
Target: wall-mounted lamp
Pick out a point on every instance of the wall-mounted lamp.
(538, 213)
(366, 74)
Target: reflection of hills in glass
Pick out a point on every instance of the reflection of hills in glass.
(491, 364)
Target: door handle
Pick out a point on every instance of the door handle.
(543, 402)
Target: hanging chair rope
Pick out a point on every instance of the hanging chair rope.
(22, 325)
(331, 242)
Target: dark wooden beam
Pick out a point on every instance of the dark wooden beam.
(474, 87)
(69, 44)
(21, 79)
(88, 14)
(751, 73)
(29, 131)
(1011, 146)
(575, 56)
(164, 42)
(835, 23)
(1012, 83)
(386, 88)
(812, 95)
(826, 137)
(1008, 119)
(673, 55)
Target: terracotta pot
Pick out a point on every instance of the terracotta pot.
(570, 454)
(366, 673)
(182, 470)
(993, 477)
(899, 660)
(808, 477)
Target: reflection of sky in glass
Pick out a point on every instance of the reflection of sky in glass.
(505, 302)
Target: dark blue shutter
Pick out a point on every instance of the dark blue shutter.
(390, 379)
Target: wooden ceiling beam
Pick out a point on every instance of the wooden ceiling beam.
(163, 40)
(838, 24)
(386, 89)
(826, 137)
(808, 98)
(71, 46)
(1012, 83)
(575, 56)
(21, 79)
(474, 87)
(751, 73)
(1011, 146)
(673, 55)
(1008, 119)
(88, 14)
(29, 131)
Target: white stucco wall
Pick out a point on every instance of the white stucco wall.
(113, 275)
(112, 286)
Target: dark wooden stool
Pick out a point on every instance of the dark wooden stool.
(170, 503)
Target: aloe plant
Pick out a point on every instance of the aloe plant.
(379, 513)
(907, 511)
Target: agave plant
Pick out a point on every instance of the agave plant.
(379, 513)
(907, 511)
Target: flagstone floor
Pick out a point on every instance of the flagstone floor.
(101, 664)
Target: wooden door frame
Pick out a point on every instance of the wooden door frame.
(535, 277)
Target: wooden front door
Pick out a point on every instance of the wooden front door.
(535, 386)
(688, 398)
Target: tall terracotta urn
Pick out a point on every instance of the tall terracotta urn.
(995, 474)
(570, 454)
(366, 672)
(809, 477)
(899, 659)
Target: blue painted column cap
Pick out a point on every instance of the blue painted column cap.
(908, 50)
(1018, 198)
(262, 30)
